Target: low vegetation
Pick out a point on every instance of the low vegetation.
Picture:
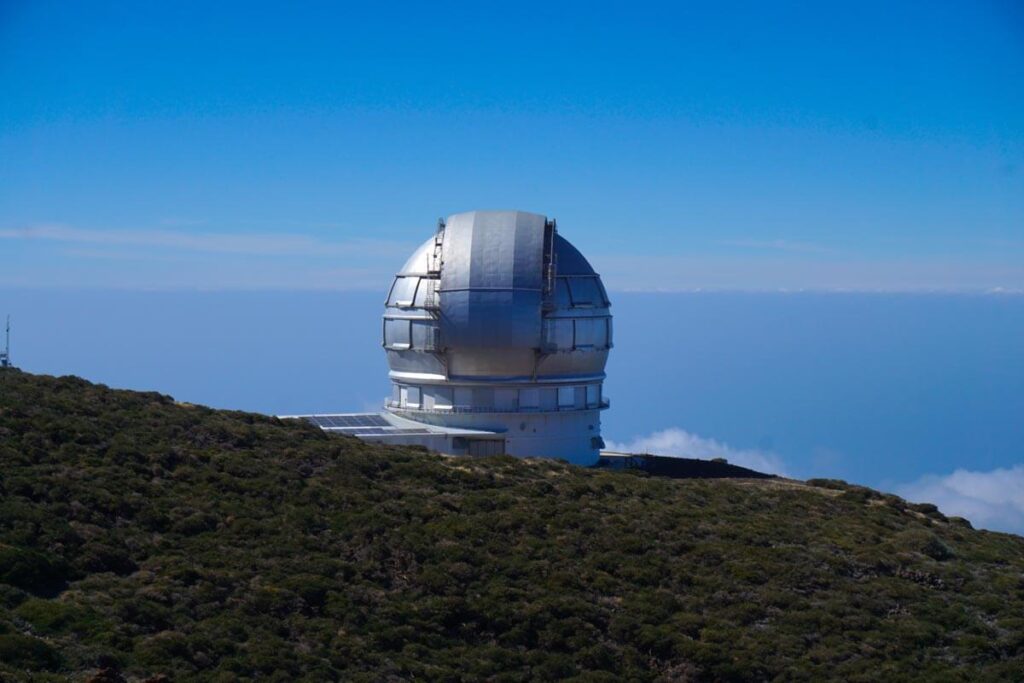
(149, 537)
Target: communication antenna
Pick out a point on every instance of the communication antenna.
(5, 357)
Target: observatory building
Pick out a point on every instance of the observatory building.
(496, 331)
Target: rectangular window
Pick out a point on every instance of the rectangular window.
(483, 397)
(548, 399)
(591, 333)
(593, 395)
(463, 397)
(566, 397)
(413, 398)
(562, 298)
(585, 292)
(440, 397)
(529, 399)
(506, 399)
(559, 333)
(423, 332)
(403, 292)
(396, 334)
(426, 285)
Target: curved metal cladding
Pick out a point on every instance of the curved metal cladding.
(497, 323)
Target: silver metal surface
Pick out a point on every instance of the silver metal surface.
(496, 319)
(492, 281)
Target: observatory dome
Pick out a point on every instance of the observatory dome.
(498, 323)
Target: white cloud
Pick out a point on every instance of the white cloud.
(682, 444)
(209, 242)
(990, 500)
(787, 270)
(168, 259)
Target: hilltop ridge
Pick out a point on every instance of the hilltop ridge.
(143, 536)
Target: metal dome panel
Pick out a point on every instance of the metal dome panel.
(492, 280)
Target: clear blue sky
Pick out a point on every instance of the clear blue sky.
(774, 145)
(867, 146)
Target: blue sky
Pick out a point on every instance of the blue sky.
(866, 146)
(208, 199)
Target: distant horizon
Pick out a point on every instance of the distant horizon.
(918, 394)
(376, 287)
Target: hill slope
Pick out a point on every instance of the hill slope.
(211, 545)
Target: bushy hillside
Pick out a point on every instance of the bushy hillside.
(162, 538)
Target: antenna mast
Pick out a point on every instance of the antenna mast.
(5, 357)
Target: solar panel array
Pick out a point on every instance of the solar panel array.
(349, 421)
(359, 425)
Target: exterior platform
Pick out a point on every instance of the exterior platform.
(392, 429)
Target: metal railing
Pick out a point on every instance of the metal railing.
(394, 405)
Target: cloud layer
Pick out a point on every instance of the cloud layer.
(990, 500)
(169, 259)
(124, 258)
(682, 444)
(207, 242)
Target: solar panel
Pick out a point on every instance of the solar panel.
(366, 424)
(347, 421)
(369, 420)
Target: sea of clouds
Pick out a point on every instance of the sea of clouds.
(990, 500)
(682, 444)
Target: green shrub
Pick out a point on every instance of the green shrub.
(50, 617)
(924, 542)
(28, 653)
(32, 571)
(213, 545)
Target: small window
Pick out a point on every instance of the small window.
(559, 333)
(585, 292)
(463, 397)
(483, 397)
(548, 399)
(403, 292)
(580, 398)
(441, 397)
(506, 399)
(591, 333)
(562, 298)
(413, 397)
(593, 395)
(426, 285)
(566, 397)
(423, 335)
(529, 399)
(396, 334)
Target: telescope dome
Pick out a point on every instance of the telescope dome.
(495, 319)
